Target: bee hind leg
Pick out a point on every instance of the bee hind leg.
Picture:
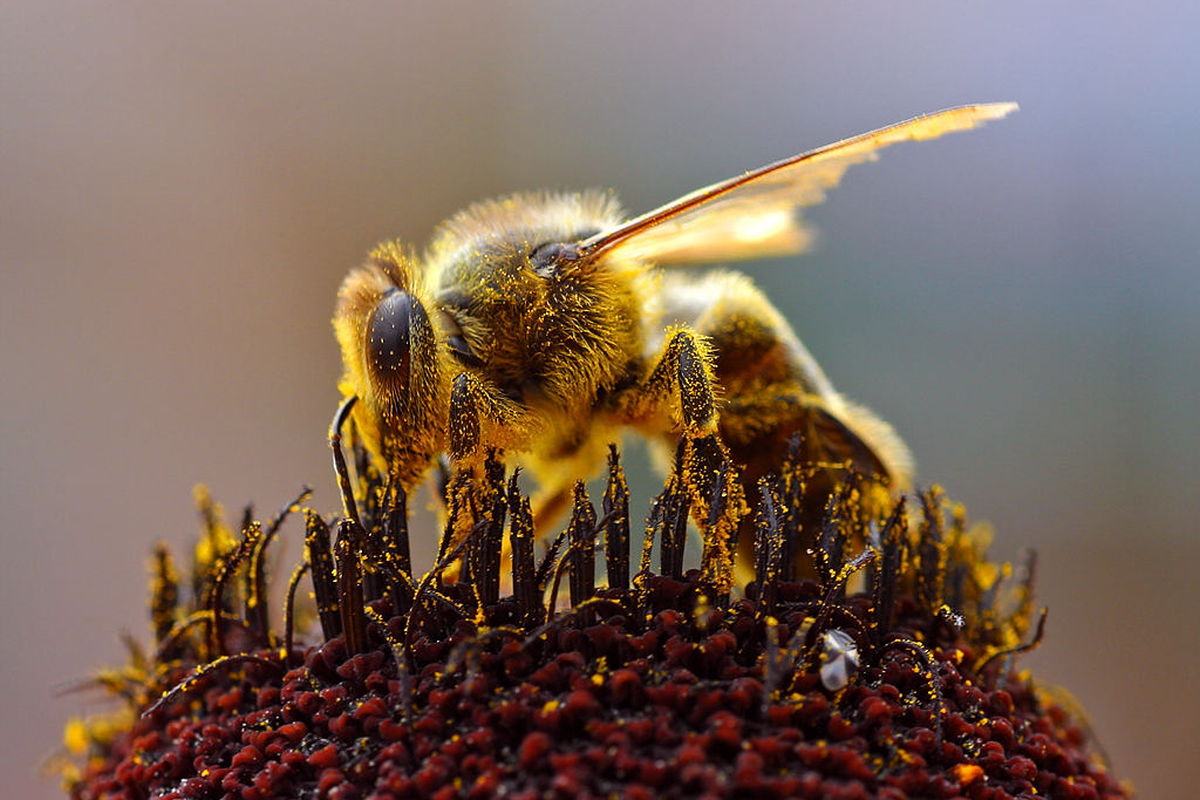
(774, 391)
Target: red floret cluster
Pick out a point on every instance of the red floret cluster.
(663, 687)
(598, 711)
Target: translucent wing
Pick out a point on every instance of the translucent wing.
(754, 215)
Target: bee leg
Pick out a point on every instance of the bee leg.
(467, 459)
(483, 424)
(465, 400)
(483, 419)
(679, 386)
(774, 391)
(579, 458)
(678, 396)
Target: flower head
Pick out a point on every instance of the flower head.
(878, 663)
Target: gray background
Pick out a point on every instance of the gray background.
(183, 188)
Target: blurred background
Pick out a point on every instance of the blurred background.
(183, 188)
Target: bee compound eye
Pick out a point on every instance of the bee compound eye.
(389, 351)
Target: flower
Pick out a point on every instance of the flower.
(876, 662)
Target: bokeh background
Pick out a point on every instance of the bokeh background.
(182, 187)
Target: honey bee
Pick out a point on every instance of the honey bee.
(544, 325)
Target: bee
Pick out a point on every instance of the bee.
(543, 325)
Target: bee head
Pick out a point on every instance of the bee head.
(393, 354)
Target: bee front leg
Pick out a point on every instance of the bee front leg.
(483, 419)
(483, 424)
(465, 400)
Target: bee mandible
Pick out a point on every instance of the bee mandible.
(544, 325)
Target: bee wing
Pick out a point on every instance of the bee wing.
(754, 215)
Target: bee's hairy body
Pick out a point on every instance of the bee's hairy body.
(541, 326)
(565, 359)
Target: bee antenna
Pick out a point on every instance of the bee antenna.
(339, 459)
